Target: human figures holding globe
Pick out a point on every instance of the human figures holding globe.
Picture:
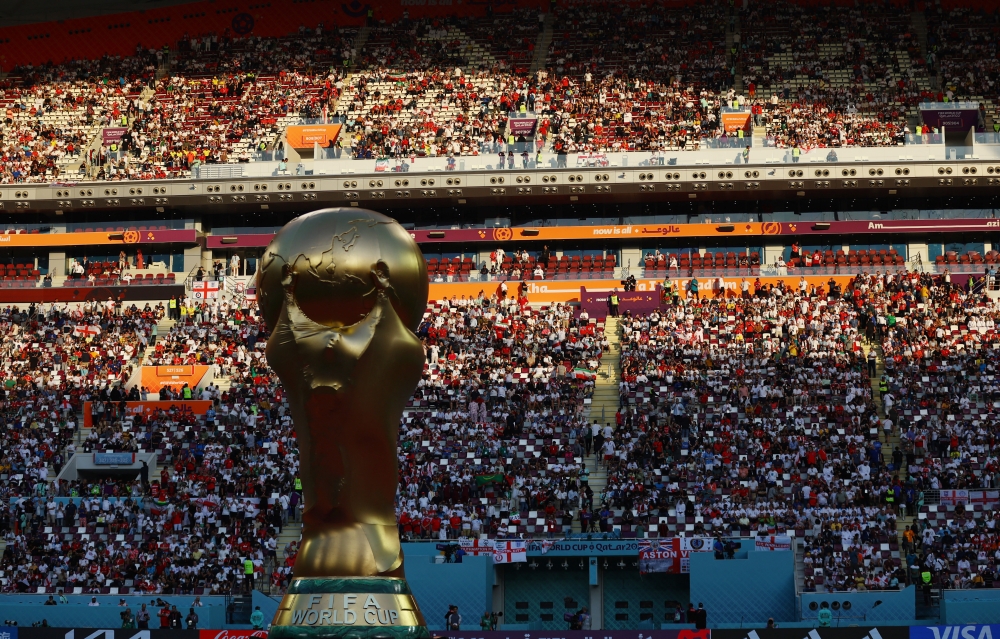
(342, 291)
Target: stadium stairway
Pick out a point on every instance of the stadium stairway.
(163, 69)
(919, 23)
(800, 567)
(759, 137)
(223, 383)
(542, 44)
(162, 328)
(93, 131)
(733, 61)
(359, 44)
(604, 402)
(604, 406)
(893, 441)
(891, 444)
(348, 82)
(290, 532)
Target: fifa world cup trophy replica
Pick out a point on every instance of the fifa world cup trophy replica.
(342, 291)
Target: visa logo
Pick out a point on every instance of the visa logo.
(961, 632)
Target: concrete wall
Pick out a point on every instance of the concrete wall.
(29, 609)
(741, 592)
(468, 585)
(541, 596)
(268, 605)
(970, 607)
(641, 601)
(863, 607)
(747, 590)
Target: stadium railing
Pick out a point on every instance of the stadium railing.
(551, 161)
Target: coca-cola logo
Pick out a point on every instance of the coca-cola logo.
(232, 634)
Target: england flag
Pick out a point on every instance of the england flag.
(205, 290)
(87, 331)
(509, 552)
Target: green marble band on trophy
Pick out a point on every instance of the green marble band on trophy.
(342, 292)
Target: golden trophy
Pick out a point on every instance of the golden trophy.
(342, 291)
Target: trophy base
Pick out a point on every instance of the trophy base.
(392, 632)
(349, 608)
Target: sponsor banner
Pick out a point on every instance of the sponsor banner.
(510, 552)
(102, 633)
(73, 294)
(596, 302)
(736, 121)
(580, 634)
(8, 632)
(773, 543)
(232, 634)
(958, 225)
(522, 126)
(92, 238)
(114, 459)
(305, 136)
(968, 631)
(639, 232)
(206, 290)
(631, 231)
(951, 119)
(198, 407)
(113, 134)
(540, 291)
(851, 632)
(670, 555)
(156, 377)
(955, 497)
(789, 230)
(592, 159)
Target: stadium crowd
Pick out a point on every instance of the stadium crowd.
(825, 77)
(754, 412)
(505, 386)
(964, 48)
(751, 412)
(641, 79)
(941, 382)
(499, 373)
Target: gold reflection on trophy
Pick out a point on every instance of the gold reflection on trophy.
(342, 291)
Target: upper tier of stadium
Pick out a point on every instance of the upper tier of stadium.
(423, 89)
